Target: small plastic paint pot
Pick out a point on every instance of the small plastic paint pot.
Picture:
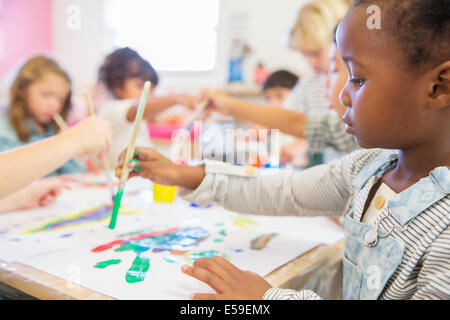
(164, 193)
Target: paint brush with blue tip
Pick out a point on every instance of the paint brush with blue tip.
(196, 114)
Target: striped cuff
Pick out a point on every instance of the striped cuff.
(289, 294)
(204, 194)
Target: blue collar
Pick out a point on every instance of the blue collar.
(411, 202)
(421, 195)
(377, 167)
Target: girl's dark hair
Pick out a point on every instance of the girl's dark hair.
(122, 64)
(280, 78)
(420, 27)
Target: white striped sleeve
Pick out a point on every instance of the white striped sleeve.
(433, 281)
(289, 294)
(323, 190)
(325, 130)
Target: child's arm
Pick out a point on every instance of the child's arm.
(322, 130)
(156, 105)
(22, 166)
(40, 194)
(320, 191)
(288, 121)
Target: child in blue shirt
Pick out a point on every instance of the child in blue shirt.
(40, 90)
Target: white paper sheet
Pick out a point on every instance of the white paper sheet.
(71, 257)
(164, 280)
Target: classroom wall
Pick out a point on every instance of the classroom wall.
(47, 26)
(80, 50)
(268, 24)
(24, 32)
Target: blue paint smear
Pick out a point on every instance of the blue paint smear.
(66, 235)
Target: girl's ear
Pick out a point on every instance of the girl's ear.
(439, 88)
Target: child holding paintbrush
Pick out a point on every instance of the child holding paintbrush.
(41, 90)
(396, 201)
(22, 166)
(124, 73)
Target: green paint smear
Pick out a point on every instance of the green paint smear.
(129, 246)
(107, 263)
(219, 224)
(116, 207)
(138, 270)
(217, 240)
(223, 232)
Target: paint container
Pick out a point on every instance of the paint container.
(164, 193)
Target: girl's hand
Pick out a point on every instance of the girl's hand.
(188, 101)
(230, 282)
(43, 193)
(92, 136)
(40, 194)
(219, 101)
(149, 164)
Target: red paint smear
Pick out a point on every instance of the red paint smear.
(107, 246)
(111, 244)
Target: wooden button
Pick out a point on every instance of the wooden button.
(379, 202)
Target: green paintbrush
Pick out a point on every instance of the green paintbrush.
(129, 154)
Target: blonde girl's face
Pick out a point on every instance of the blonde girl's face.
(336, 80)
(319, 59)
(46, 97)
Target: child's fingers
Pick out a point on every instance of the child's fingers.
(141, 154)
(204, 276)
(206, 296)
(47, 200)
(213, 266)
(225, 264)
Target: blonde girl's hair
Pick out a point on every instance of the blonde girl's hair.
(313, 28)
(33, 70)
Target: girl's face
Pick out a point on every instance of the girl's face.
(276, 96)
(319, 59)
(386, 104)
(337, 77)
(46, 97)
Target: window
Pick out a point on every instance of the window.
(174, 35)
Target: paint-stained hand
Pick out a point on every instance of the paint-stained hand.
(149, 164)
(229, 282)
